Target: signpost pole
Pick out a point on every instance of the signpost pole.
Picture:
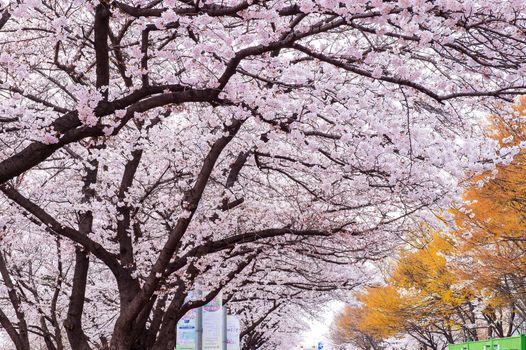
(199, 329)
(224, 328)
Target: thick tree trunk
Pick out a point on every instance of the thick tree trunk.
(73, 322)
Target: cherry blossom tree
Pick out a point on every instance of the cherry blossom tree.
(152, 148)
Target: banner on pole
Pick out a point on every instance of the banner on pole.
(233, 330)
(213, 324)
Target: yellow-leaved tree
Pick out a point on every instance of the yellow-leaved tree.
(423, 297)
(491, 230)
(348, 329)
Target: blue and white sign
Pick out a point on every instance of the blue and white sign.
(187, 331)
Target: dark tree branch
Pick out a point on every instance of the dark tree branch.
(102, 30)
(55, 227)
(20, 337)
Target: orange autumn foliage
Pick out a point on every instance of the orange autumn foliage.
(348, 329)
(422, 295)
(491, 227)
